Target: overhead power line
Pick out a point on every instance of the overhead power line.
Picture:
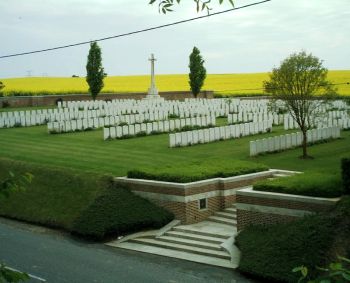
(133, 32)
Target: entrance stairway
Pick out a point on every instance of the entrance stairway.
(210, 241)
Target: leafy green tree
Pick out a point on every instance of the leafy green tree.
(300, 82)
(11, 184)
(337, 272)
(95, 71)
(197, 73)
(165, 6)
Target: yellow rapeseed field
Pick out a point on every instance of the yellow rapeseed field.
(230, 84)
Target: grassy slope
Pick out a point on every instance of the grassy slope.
(56, 197)
(222, 83)
(88, 152)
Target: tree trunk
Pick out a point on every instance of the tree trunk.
(305, 156)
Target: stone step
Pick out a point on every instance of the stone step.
(184, 248)
(224, 214)
(222, 220)
(186, 229)
(192, 243)
(178, 254)
(196, 237)
(230, 210)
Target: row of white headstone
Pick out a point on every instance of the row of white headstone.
(187, 108)
(159, 127)
(288, 141)
(218, 133)
(76, 125)
(23, 121)
(319, 122)
(254, 117)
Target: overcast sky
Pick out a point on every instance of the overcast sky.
(250, 40)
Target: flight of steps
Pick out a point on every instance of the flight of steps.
(226, 216)
(200, 242)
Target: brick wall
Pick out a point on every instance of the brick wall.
(269, 208)
(247, 218)
(183, 199)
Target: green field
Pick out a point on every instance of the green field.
(86, 151)
(229, 84)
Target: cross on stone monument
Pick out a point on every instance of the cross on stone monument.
(153, 89)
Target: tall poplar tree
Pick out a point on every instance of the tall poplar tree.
(197, 73)
(95, 71)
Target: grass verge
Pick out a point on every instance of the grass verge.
(198, 171)
(308, 184)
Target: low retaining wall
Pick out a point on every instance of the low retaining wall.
(257, 207)
(50, 100)
(183, 199)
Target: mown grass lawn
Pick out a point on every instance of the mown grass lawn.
(86, 151)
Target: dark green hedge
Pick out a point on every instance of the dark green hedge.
(270, 253)
(345, 167)
(196, 172)
(119, 212)
(307, 184)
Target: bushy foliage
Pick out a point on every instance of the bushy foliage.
(345, 167)
(118, 212)
(198, 171)
(307, 184)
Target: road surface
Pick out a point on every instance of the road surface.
(57, 257)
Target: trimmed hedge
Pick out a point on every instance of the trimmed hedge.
(308, 184)
(345, 168)
(118, 212)
(197, 172)
(271, 252)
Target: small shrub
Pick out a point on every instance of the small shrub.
(125, 137)
(88, 129)
(156, 133)
(146, 121)
(121, 124)
(58, 100)
(173, 116)
(345, 168)
(141, 134)
(308, 184)
(5, 104)
(17, 125)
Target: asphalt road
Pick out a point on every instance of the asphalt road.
(57, 257)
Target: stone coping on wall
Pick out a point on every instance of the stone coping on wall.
(249, 192)
(201, 183)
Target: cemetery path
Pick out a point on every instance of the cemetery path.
(58, 258)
